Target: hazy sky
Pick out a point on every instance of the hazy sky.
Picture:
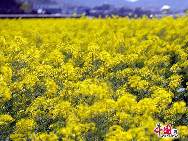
(132, 0)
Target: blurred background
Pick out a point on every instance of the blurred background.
(94, 8)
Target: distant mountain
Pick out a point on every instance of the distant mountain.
(146, 4)
(93, 3)
(175, 4)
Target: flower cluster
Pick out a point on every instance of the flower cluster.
(107, 79)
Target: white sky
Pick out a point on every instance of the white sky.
(132, 0)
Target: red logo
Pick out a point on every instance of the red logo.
(166, 131)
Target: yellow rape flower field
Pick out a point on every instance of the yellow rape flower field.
(87, 79)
